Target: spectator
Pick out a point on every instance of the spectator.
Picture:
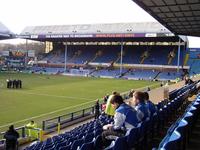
(140, 105)
(151, 107)
(131, 93)
(148, 89)
(32, 132)
(96, 107)
(103, 106)
(125, 118)
(110, 111)
(11, 137)
(188, 81)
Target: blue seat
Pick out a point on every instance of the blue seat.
(119, 144)
(87, 146)
(141, 134)
(76, 144)
(154, 124)
(58, 145)
(89, 137)
(182, 128)
(97, 132)
(174, 142)
(111, 146)
(132, 137)
(98, 143)
(66, 147)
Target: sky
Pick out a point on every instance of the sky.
(17, 14)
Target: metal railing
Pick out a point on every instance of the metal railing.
(20, 130)
(23, 133)
(62, 121)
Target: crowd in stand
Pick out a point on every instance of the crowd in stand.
(126, 115)
(14, 84)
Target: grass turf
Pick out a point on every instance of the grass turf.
(45, 96)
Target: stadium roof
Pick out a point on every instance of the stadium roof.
(117, 30)
(146, 27)
(5, 33)
(181, 17)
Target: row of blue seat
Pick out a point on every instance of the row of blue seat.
(74, 138)
(178, 134)
(87, 136)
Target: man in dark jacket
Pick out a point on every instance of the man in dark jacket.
(96, 107)
(20, 83)
(11, 137)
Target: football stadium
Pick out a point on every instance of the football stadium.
(112, 86)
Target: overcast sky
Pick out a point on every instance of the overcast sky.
(17, 14)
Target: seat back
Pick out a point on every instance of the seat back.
(87, 146)
(174, 142)
(76, 143)
(132, 137)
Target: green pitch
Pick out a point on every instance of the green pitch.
(45, 96)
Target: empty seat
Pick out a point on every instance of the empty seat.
(77, 143)
(119, 144)
(173, 143)
(87, 146)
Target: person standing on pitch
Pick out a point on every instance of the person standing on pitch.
(8, 82)
(20, 84)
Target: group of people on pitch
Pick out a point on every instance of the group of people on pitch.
(126, 115)
(14, 83)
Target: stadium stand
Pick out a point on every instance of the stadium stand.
(88, 135)
(117, 48)
(194, 61)
(132, 55)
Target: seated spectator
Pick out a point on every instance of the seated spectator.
(138, 102)
(131, 93)
(125, 118)
(11, 137)
(151, 107)
(110, 111)
(188, 81)
(103, 106)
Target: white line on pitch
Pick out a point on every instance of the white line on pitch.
(62, 109)
(48, 95)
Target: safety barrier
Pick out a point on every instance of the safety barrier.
(23, 134)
